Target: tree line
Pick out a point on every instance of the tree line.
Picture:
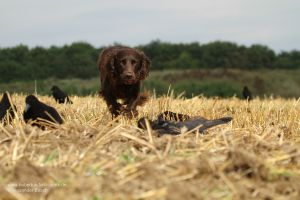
(78, 60)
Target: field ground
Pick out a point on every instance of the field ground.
(256, 156)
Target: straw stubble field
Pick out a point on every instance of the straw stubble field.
(90, 156)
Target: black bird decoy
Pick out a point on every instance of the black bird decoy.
(163, 126)
(59, 95)
(40, 114)
(247, 94)
(6, 109)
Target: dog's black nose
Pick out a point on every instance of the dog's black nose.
(128, 76)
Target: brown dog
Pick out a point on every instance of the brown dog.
(121, 71)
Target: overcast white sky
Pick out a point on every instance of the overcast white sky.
(275, 23)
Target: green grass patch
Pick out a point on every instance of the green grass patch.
(207, 82)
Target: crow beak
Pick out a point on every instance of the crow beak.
(27, 107)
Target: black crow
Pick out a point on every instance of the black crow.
(40, 114)
(59, 95)
(6, 109)
(247, 94)
(164, 126)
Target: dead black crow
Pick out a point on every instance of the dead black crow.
(164, 126)
(40, 114)
(59, 95)
(6, 109)
(247, 94)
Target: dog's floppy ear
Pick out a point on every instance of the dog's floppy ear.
(144, 71)
(110, 60)
(112, 63)
(106, 63)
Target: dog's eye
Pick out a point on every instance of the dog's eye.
(123, 61)
(133, 62)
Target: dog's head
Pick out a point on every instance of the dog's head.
(130, 65)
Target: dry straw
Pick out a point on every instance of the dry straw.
(91, 156)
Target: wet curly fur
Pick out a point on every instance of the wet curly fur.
(121, 71)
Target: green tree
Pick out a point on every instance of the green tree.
(288, 60)
(260, 56)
